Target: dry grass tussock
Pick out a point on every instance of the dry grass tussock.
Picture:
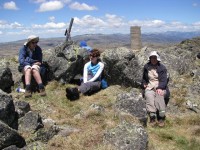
(180, 133)
(78, 114)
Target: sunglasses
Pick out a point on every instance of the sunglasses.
(92, 56)
(34, 42)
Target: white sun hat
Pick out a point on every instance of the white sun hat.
(32, 38)
(154, 53)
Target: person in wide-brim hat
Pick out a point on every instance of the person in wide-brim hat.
(32, 38)
(30, 59)
(156, 92)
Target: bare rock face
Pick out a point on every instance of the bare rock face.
(7, 108)
(122, 67)
(31, 122)
(127, 136)
(134, 104)
(66, 61)
(22, 107)
(6, 80)
(9, 136)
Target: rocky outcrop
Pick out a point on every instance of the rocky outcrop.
(122, 67)
(22, 107)
(7, 108)
(127, 136)
(31, 122)
(134, 104)
(66, 62)
(9, 136)
(6, 80)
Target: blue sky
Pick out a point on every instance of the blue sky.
(50, 18)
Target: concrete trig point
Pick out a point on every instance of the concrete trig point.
(136, 43)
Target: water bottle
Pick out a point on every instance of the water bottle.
(20, 90)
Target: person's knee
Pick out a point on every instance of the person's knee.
(148, 94)
(35, 71)
(27, 71)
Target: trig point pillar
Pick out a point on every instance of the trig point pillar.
(136, 43)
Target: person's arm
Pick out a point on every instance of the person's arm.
(22, 56)
(96, 76)
(144, 78)
(162, 78)
(162, 81)
(85, 72)
(39, 55)
(24, 59)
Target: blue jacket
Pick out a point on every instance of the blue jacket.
(26, 57)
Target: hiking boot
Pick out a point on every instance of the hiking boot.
(152, 122)
(27, 94)
(42, 92)
(72, 93)
(161, 122)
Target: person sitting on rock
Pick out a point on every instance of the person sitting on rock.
(30, 59)
(154, 83)
(91, 77)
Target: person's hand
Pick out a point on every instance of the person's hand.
(160, 92)
(37, 63)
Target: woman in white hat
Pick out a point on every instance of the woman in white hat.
(154, 82)
(30, 59)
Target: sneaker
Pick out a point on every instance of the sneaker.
(27, 94)
(72, 93)
(42, 92)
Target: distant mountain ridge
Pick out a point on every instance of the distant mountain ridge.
(103, 41)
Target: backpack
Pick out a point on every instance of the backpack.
(104, 83)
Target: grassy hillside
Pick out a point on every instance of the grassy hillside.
(180, 132)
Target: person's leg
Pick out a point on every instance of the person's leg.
(85, 88)
(27, 74)
(89, 87)
(38, 79)
(150, 106)
(150, 100)
(36, 74)
(161, 106)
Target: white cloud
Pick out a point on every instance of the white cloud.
(110, 23)
(83, 6)
(42, 1)
(89, 21)
(14, 25)
(114, 21)
(38, 1)
(195, 4)
(1, 32)
(51, 6)
(66, 1)
(10, 5)
(52, 18)
(50, 25)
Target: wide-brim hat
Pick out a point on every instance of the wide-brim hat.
(154, 53)
(32, 38)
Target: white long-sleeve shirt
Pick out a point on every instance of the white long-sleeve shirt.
(92, 72)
